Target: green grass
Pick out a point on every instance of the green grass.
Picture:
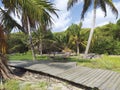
(16, 85)
(26, 56)
(105, 62)
(10, 85)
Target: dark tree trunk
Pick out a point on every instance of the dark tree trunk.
(5, 72)
(4, 69)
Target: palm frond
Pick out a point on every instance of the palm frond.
(103, 6)
(36, 10)
(113, 8)
(8, 22)
(71, 3)
(87, 4)
(48, 6)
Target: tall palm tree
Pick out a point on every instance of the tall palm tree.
(31, 13)
(96, 3)
(4, 70)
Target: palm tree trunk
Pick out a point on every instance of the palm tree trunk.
(78, 51)
(91, 33)
(30, 40)
(41, 47)
(4, 69)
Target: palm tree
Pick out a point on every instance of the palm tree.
(96, 3)
(32, 13)
(4, 70)
(73, 33)
(38, 14)
(41, 38)
(61, 41)
(41, 16)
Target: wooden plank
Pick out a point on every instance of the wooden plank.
(93, 80)
(54, 71)
(118, 84)
(44, 69)
(103, 79)
(75, 79)
(77, 73)
(91, 77)
(115, 83)
(64, 66)
(69, 71)
(85, 77)
(36, 66)
(41, 69)
(109, 83)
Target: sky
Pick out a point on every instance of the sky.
(66, 18)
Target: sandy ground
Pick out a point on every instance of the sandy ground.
(48, 83)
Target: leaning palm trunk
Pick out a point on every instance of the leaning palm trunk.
(30, 39)
(91, 33)
(4, 69)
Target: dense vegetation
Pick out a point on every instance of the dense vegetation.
(106, 40)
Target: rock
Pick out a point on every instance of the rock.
(91, 56)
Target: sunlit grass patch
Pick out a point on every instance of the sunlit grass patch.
(109, 62)
(26, 56)
(105, 62)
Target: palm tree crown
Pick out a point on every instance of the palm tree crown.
(97, 3)
(37, 11)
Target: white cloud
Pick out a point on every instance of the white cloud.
(61, 5)
(100, 19)
(64, 19)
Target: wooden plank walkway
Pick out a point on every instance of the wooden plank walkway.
(89, 77)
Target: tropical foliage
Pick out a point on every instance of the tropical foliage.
(43, 40)
(17, 43)
(105, 40)
(74, 37)
(96, 3)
